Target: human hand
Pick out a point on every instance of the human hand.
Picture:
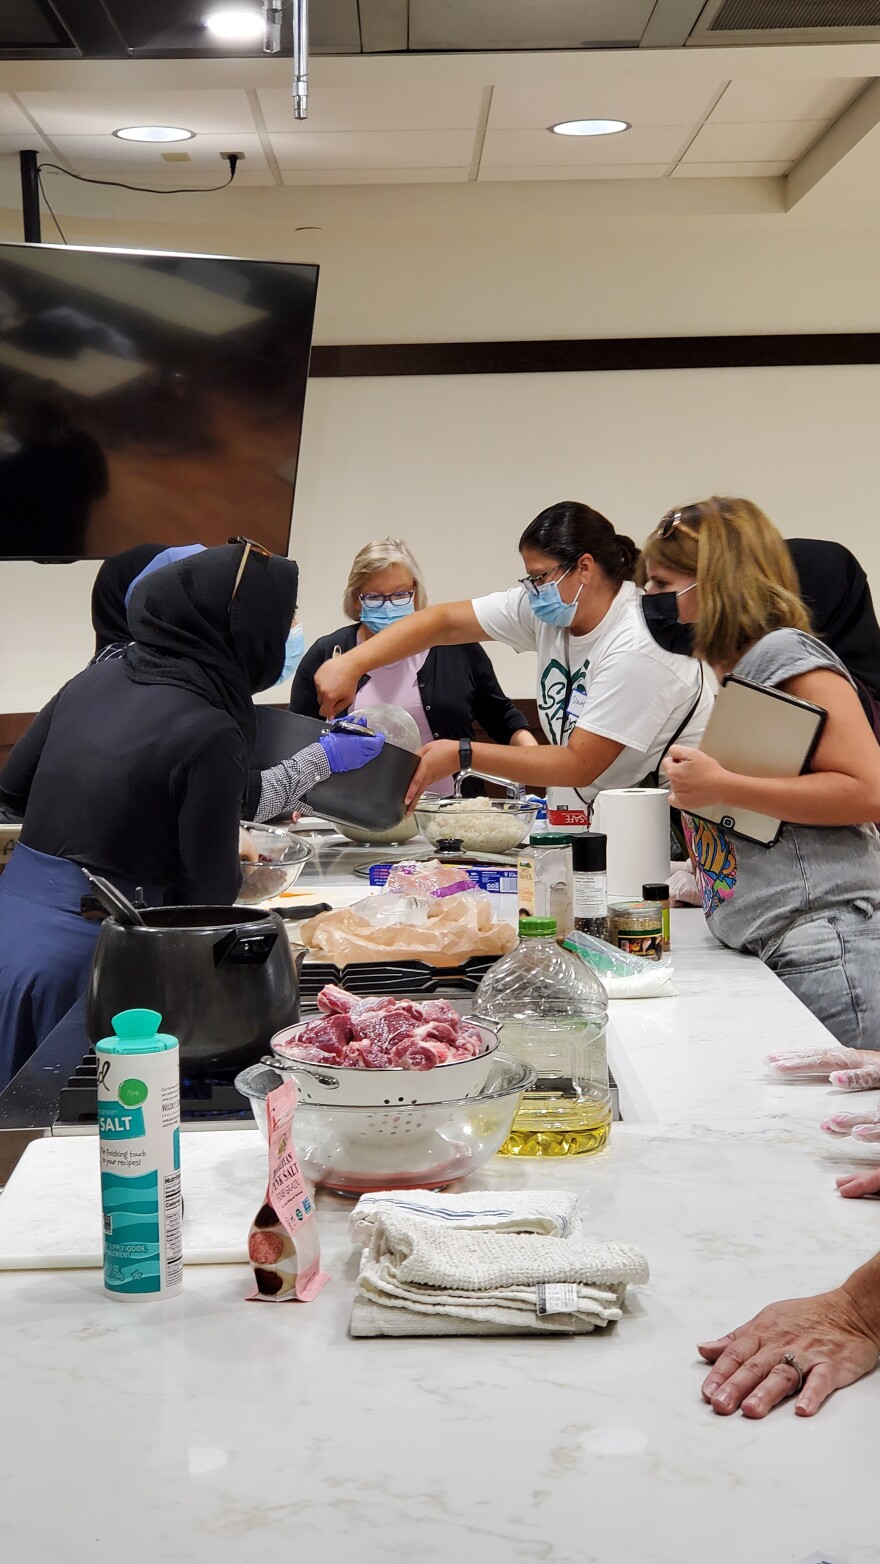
(828, 1337)
(437, 759)
(696, 780)
(336, 684)
(247, 852)
(852, 1069)
(350, 751)
(854, 1186)
(864, 1126)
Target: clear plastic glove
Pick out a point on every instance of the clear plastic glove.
(683, 888)
(350, 751)
(852, 1069)
(864, 1127)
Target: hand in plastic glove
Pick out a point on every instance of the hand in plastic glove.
(852, 1069)
(864, 1126)
(833, 1336)
(683, 888)
(336, 682)
(350, 751)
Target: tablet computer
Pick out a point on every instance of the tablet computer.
(758, 732)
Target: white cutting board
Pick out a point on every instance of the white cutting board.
(50, 1210)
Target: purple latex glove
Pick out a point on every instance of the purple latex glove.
(349, 751)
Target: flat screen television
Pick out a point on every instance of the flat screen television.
(148, 398)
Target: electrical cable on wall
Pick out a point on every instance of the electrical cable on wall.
(118, 184)
(50, 209)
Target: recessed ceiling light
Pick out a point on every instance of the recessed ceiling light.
(236, 23)
(154, 133)
(589, 127)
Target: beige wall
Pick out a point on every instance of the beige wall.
(459, 465)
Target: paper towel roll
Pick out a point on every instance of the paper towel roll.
(636, 823)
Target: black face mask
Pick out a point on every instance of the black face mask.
(661, 616)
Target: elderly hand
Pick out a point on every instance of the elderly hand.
(828, 1336)
(852, 1069)
(438, 759)
(336, 683)
(696, 780)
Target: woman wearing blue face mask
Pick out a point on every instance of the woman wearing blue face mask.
(611, 698)
(446, 689)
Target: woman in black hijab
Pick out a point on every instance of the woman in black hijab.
(109, 617)
(835, 589)
(137, 770)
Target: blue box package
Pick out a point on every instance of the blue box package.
(496, 881)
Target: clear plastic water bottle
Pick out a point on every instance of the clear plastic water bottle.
(551, 1012)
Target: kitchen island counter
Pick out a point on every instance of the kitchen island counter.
(208, 1429)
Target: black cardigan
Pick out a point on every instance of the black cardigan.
(457, 685)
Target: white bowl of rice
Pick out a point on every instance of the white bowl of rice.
(481, 825)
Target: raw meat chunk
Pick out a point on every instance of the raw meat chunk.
(382, 1033)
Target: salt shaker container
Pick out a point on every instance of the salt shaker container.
(139, 1134)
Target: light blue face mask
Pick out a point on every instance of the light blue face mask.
(388, 614)
(296, 645)
(547, 605)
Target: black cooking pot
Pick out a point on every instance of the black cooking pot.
(224, 980)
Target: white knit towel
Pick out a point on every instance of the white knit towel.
(554, 1212)
(419, 1278)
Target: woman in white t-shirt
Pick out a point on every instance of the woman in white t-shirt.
(611, 699)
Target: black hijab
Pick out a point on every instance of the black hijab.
(835, 589)
(187, 634)
(109, 618)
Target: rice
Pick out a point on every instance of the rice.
(474, 823)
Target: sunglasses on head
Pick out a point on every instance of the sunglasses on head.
(249, 547)
(676, 518)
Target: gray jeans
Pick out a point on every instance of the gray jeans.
(832, 964)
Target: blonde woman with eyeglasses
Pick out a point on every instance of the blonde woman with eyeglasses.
(445, 689)
(721, 576)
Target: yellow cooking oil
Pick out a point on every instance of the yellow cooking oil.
(568, 1111)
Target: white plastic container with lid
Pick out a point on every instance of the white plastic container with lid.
(139, 1133)
(552, 1013)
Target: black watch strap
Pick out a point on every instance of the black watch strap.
(465, 754)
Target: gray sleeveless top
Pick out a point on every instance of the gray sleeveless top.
(753, 895)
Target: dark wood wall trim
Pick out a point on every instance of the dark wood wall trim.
(580, 354)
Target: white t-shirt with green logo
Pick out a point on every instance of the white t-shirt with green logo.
(615, 682)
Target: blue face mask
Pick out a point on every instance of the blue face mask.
(547, 605)
(296, 645)
(388, 614)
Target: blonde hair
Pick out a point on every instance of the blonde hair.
(745, 574)
(378, 556)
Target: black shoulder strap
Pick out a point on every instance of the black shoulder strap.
(653, 779)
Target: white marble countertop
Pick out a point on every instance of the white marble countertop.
(700, 1058)
(206, 1430)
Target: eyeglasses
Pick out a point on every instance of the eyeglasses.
(533, 584)
(379, 599)
(675, 518)
(249, 547)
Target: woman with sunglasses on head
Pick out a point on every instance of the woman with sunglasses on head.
(445, 689)
(720, 575)
(610, 698)
(139, 772)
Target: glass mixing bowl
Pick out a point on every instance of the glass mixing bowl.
(482, 825)
(355, 1150)
(272, 860)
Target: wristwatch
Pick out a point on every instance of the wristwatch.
(465, 754)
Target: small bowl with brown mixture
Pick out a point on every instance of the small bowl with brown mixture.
(272, 860)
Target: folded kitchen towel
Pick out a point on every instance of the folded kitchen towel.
(420, 1278)
(554, 1212)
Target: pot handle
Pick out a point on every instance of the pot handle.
(245, 947)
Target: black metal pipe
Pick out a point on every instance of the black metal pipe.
(30, 196)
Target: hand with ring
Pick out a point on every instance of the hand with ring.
(803, 1348)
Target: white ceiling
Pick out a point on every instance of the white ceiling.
(695, 114)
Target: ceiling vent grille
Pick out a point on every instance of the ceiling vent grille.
(761, 16)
